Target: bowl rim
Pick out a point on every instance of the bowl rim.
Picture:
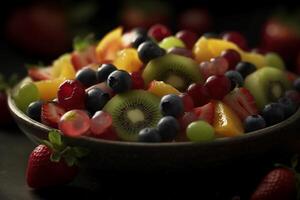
(16, 112)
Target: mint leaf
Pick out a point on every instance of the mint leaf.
(55, 138)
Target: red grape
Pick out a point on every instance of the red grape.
(159, 32)
(232, 56)
(188, 37)
(199, 94)
(100, 122)
(236, 38)
(217, 86)
(188, 102)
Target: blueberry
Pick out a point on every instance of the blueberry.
(171, 105)
(235, 77)
(96, 100)
(119, 81)
(149, 50)
(104, 71)
(254, 122)
(168, 128)
(273, 113)
(149, 135)
(86, 76)
(139, 39)
(296, 84)
(34, 110)
(245, 68)
(289, 107)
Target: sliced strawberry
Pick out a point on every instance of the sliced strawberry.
(206, 112)
(38, 74)
(51, 113)
(83, 58)
(241, 101)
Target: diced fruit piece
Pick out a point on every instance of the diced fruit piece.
(168, 128)
(226, 122)
(63, 68)
(200, 131)
(188, 102)
(132, 111)
(160, 89)
(201, 50)
(273, 113)
(175, 70)
(137, 81)
(74, 123)
(217, 86)
(27, 93)
(170, 42)
(216, 66)
(267, 85)
(51, 114)
(101, 122)
(119, 81)
(104, 71)
(48, 88)
(102, 86)
(274, 60)
(245, 68)
(34, 110)
(149, 135)
(128, 60)
(149, 50)
(254, 122)
(186, 119)
(235, 78)
(233, 57)
(188, 37)
(206, 112)
(80, 59)
(199, 94)
(38, 73)
(236, 38)
(289, 106)
(256, 59)
(242, 102)
(217, 46)
(181, 52)
(109, 45)
(96, 99)
(86, 76)
(159, 32)
(71, 95)
(171, 105)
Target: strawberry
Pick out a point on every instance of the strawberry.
(52, 163)
(51, 113)
(206, 112)
(278, 184)
(241, 101)
(38, 74)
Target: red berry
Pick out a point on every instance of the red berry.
(217, 86)
(137, 80)
(199, 94)
(159, 32)
(71, 95)
(186, 119)
(232, 56)
(188, 37)
(100, 123)
(188, 102)
(236, 38)
(206, 112)
(38, 73)
(51, 113)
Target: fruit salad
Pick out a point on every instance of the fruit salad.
(153, 86)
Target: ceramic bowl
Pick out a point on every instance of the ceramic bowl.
(120, 155)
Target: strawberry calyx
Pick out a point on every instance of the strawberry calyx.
(71, 155)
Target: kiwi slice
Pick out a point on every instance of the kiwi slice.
(267, 85)
(132, 111)
(178, 71)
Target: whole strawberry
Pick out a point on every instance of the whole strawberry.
(278, 184)
(52, 163)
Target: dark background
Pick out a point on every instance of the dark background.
(218, 183)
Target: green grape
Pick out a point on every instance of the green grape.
(274, 60)
(27, 93)
(200, 131)
(170, 42)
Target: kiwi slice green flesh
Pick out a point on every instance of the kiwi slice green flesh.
(267, 85)
(132, 111)
(178, 71)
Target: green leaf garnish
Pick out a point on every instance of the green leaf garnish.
(81, 43)
(55, 138)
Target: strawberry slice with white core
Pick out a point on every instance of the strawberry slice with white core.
(242, 102)
(206, 112)
(51, 114)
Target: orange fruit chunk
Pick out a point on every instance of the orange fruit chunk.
(160, 88)
(110, 44)
(226, 122)
(128, 60)
(48, 88)
(63, 68)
